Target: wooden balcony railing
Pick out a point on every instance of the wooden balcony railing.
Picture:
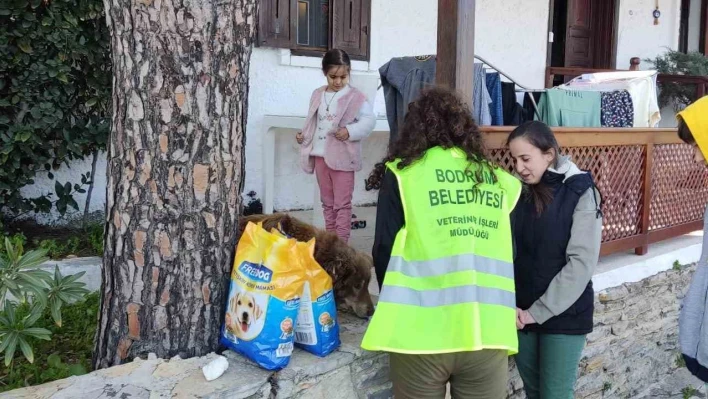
(700, 82)
(569, 73)
(652, 189)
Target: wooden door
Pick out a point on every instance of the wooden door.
(579, 35)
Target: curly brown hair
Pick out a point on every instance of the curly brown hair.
(438, 118)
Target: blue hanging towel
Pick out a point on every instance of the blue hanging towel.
(495, 92)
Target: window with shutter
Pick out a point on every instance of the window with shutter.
(274, 23)
(350, 26)
(311, 27)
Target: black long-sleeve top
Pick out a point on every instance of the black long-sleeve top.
(389, 221)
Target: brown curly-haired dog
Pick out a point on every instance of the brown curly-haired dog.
(350, 270)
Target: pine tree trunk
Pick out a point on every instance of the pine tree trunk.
(175, 173)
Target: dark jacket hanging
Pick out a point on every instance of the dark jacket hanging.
(513, 111)
(402, 79)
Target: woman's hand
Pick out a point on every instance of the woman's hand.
(342, 134)
(299, 137)
(519, 324)
(526, 318)
(523, 318)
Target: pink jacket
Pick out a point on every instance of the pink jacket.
(339, 155)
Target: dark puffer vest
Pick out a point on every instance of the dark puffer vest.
(541, 242)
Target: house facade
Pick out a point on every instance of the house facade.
(519, 37)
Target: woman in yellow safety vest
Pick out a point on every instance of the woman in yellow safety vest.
(443, 257)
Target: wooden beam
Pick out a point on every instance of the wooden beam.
(455, 49)
(703, 40)
(683, 25)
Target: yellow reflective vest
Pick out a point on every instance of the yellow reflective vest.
(449, 286)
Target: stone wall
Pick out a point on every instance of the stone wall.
(631, 353)
(633, 350)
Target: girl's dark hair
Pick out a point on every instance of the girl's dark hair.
(539, 135)
(684, 132)
(334, 58)
(437, 118)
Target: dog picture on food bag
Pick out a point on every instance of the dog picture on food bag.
(326, 322)
(286, 327)
(245, 316)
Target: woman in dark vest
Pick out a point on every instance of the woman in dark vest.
(557, 229)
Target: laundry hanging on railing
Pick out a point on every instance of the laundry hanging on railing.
(494, 101)
(496, 107)
(616, 109)
(570, 108)
(516, 102)
(481, 100)
(402, 79)
(514, 113)
(517, 107)
(640, 85)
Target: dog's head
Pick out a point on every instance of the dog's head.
(351, 275)
(246, 311)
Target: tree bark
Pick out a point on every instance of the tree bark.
(175, 173)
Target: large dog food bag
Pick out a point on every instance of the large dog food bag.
(264, 298)
(316, 330)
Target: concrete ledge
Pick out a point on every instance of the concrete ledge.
(347, 373)
(621, 268)
(91, 265)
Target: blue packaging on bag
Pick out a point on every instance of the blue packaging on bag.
(264, 298)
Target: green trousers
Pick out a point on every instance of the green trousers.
(472, 375)
(548, 364)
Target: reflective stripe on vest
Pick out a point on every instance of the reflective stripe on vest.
(447, 296)
(452, 264)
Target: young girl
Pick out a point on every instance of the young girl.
(693, 339)
(330, 143)
(557, 235)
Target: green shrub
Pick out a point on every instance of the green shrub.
(26, 293)
(677, 63)
(68, 353)
(55, 95)
(95, 238)
(689, 392)
(18, 240)
(86, 242)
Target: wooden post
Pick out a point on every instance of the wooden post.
(646, 199)
(455, 53)
(700, 90)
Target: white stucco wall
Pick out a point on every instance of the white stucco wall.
(512, 34)
(639, 37)
(513, 41)
(72, 173)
